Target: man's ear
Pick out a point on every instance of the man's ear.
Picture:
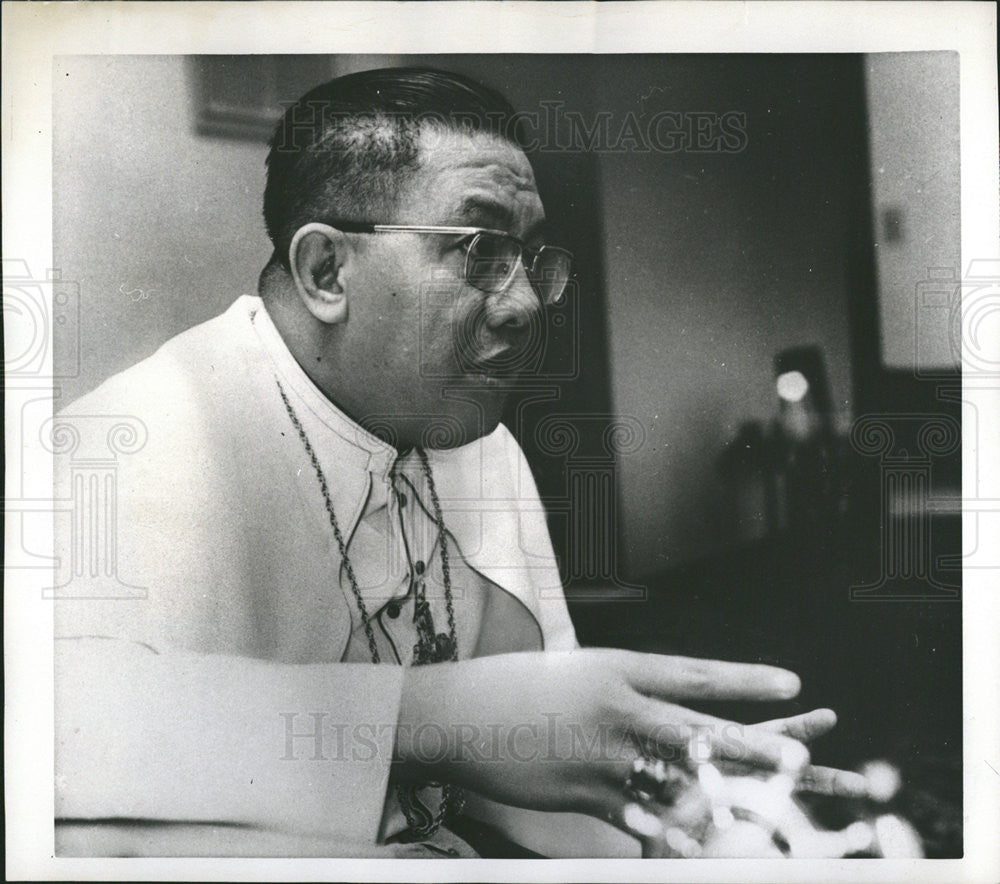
(317, 256)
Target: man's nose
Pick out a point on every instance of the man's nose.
(515, 308)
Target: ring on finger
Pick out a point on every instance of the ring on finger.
(656, 780)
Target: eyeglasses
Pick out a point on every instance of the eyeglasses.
(492, 256)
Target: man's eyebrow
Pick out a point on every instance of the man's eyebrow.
(479, 212)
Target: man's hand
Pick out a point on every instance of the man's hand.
(559, 731)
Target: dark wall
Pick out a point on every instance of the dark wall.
(715, 261)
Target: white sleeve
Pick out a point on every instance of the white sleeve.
(303, 749)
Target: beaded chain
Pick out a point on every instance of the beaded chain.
(421, 821)
(445, 565)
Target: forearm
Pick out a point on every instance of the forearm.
(450, 714)
(427, 715)
(504, 726)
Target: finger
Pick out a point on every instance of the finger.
(805, 727)
(632, 816)
(688, 678)
(643, 825)
(761, 749)
(681, 735)
(664, 831)
(832, 781)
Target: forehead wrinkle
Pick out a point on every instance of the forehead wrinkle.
(494, 182)
(497, 181)
(494, 158)
(481, 181)
(503, 170)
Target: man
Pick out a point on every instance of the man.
(344, 632)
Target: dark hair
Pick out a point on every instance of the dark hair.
(344, 150)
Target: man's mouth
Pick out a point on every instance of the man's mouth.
(503, 365)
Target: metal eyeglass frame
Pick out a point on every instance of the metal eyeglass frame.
(475, 232)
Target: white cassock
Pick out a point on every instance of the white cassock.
(213, 671)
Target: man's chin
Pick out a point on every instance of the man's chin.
(485, 408)
(454, 432)
(477, 408)
(460, 414)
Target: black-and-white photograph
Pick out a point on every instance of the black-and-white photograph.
(497, 455)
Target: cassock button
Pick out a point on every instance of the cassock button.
(393, 610)
(418, 566)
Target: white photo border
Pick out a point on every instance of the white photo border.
(33, 34)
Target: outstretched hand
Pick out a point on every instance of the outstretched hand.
(560, 731)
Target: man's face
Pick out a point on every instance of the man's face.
(439, 349)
